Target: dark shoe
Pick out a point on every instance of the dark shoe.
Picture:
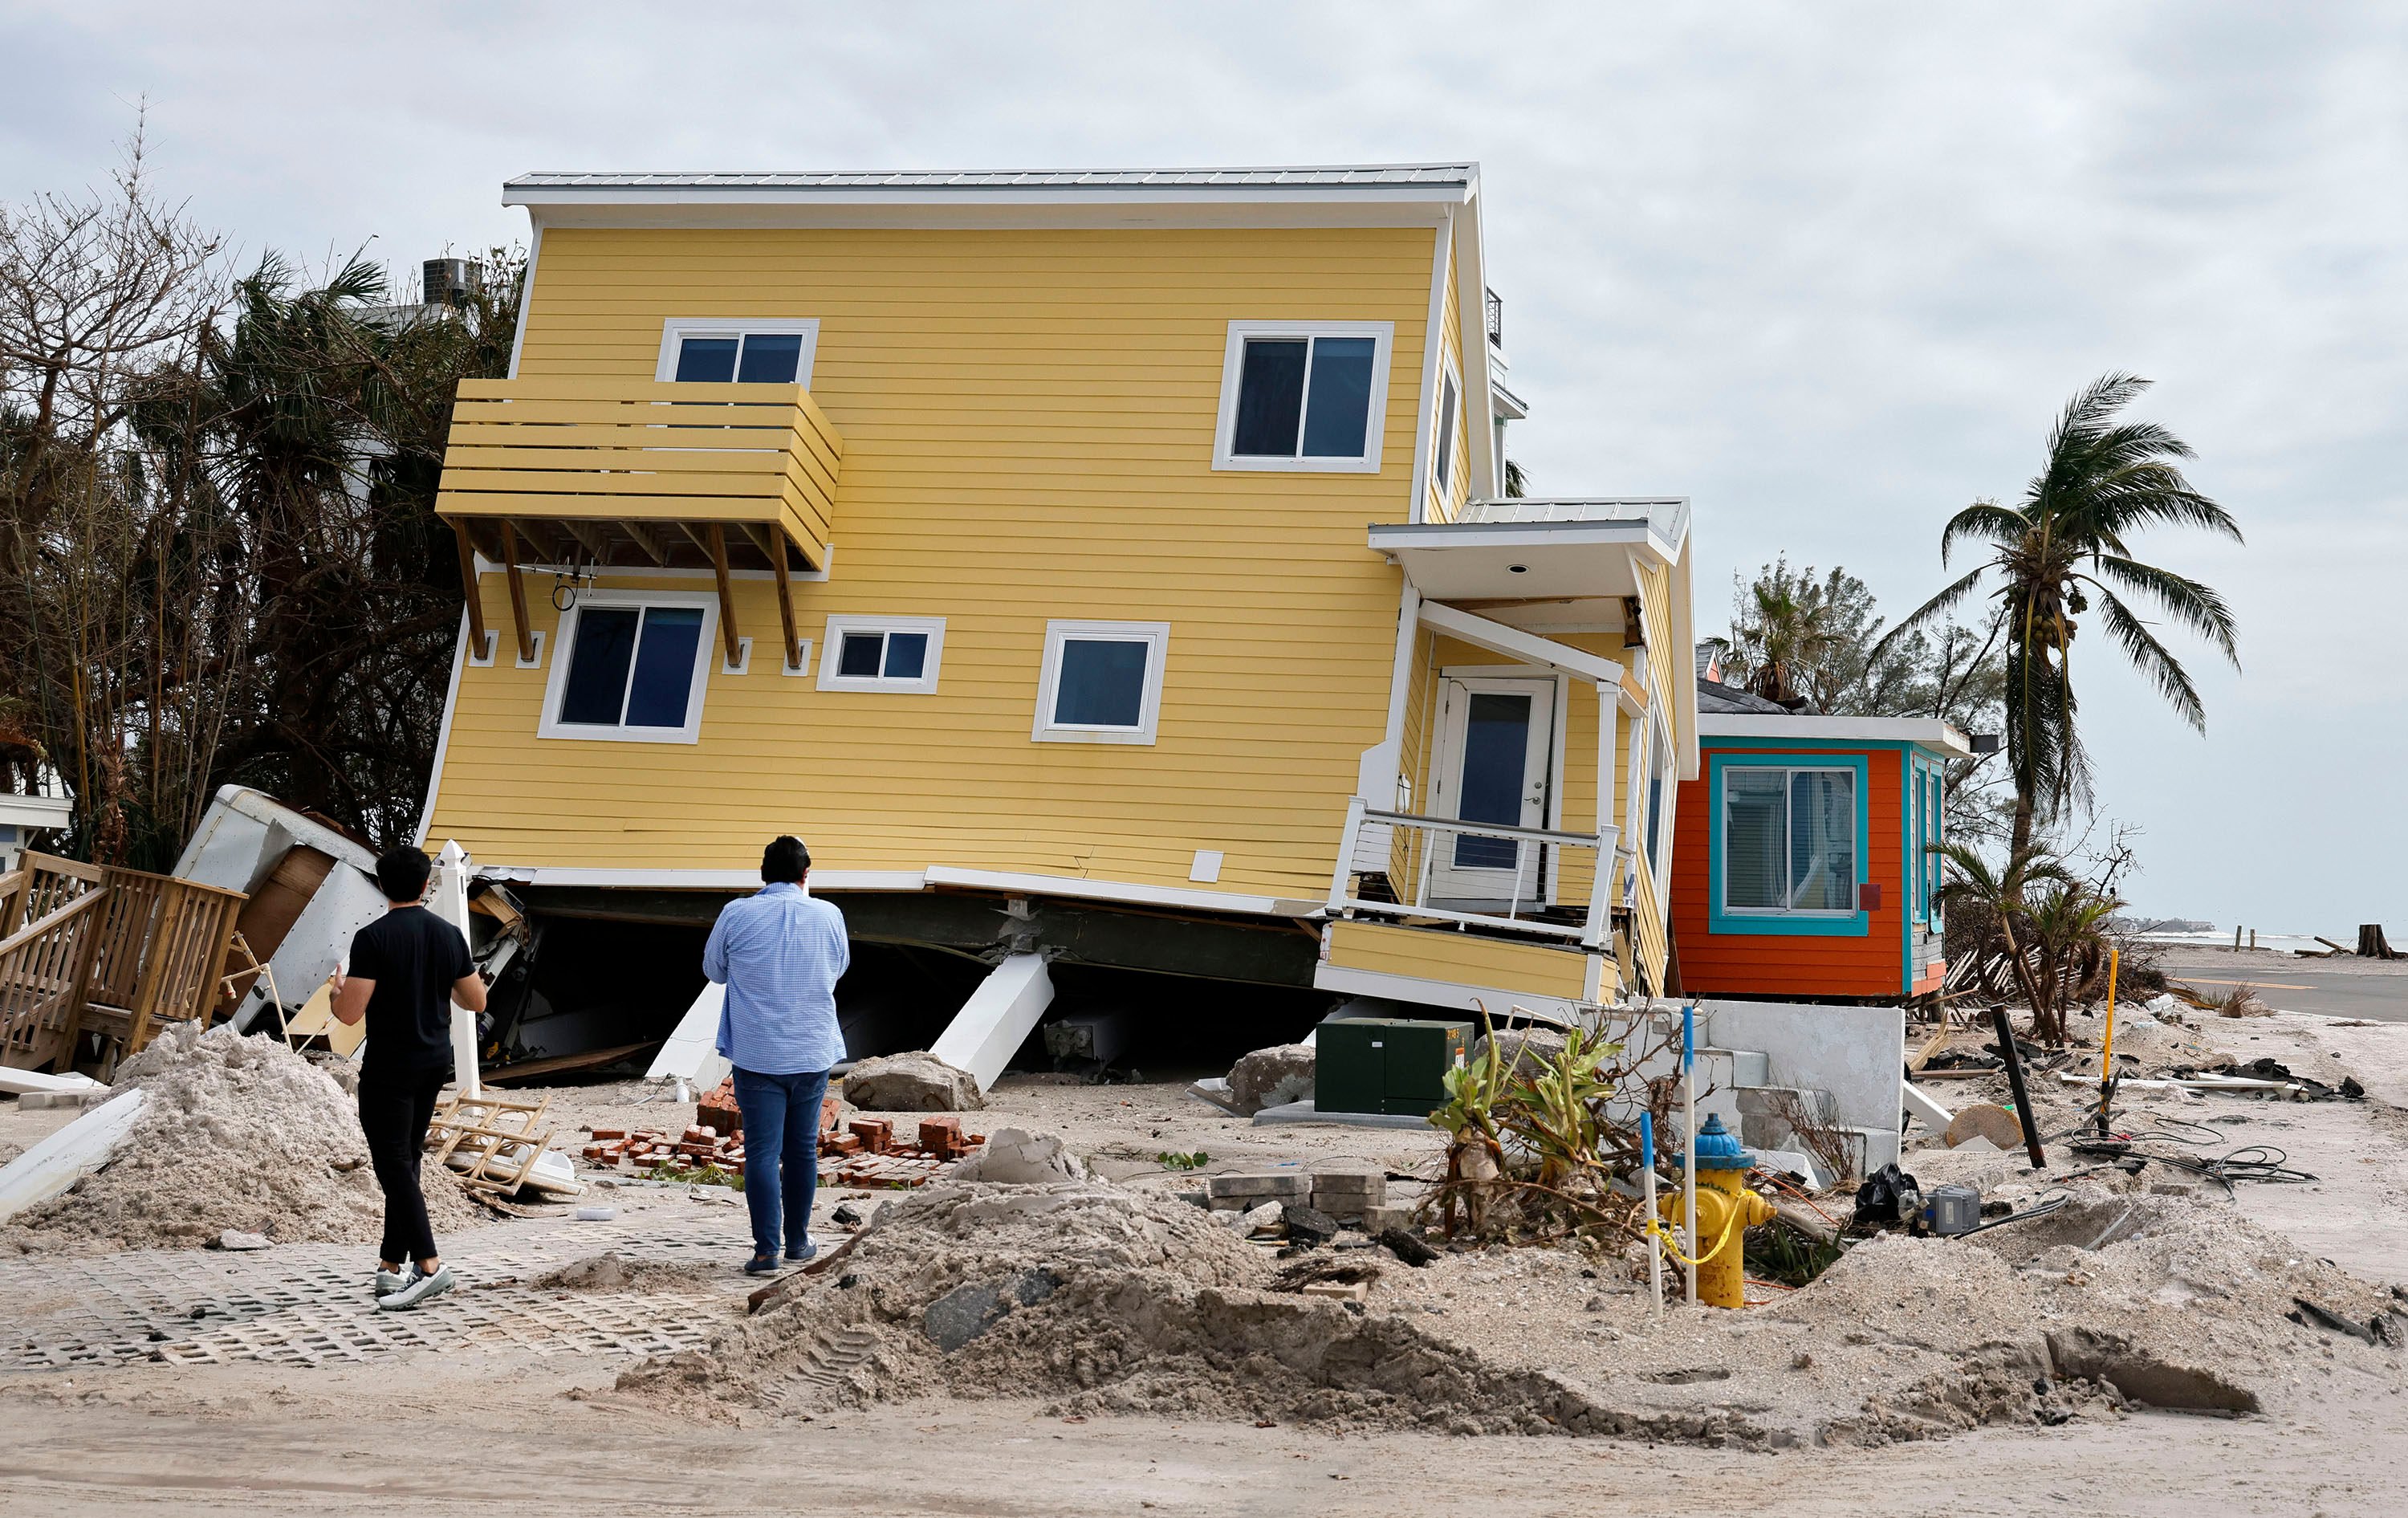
(799, 1256)
(761, 1265)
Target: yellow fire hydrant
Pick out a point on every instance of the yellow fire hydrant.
(1725, 1210)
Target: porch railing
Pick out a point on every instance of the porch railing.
(1539, 855)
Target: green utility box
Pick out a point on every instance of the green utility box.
(1385, 1064)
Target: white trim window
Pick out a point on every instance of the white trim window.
(1443, 451)
(1101, 682)
(898, 655)
(743, 350)
(1304, 396)
(632, 667)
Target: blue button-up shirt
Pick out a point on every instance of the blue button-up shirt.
(779, 952)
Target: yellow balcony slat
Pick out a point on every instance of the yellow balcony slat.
(619, 450)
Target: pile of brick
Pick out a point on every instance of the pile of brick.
(700, 1146)
(868, 1154)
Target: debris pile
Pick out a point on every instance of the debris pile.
(867, 1154)
(234, 1134)
(917, 1081)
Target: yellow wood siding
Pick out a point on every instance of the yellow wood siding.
(1461, 958)
(1028, 428)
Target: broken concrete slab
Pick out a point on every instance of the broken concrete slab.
(917, 1081)
(965, 1312)
(1017, 1157)
(65, 1157)
(1270, 1077)
(1256, 1184)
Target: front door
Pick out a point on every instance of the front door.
(1496, 736)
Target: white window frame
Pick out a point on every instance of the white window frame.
(1856, 803)
(1154, 635)
(677, 328)
(832, 654)
(1233, 363)
(1442, 437)
(707, 653)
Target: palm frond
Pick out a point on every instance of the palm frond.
(2152, 659)
(1928, 612)
(1985, 520)
(2194, 604)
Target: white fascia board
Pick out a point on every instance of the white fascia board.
(1126, 892)
(1684, 668)
(989, 195)
(1451, 995)
(1929, 732)
(40, 811)
(1387, 537)
(1514, 644)
(829, 880)
(1472, 347)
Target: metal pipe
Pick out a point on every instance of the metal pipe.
(2016, 1083)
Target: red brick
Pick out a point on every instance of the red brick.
(609, 1133)
(875, 1133)
(831, 1108)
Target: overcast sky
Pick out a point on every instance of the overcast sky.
(1827, 269)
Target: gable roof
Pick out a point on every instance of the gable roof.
(1441, 182)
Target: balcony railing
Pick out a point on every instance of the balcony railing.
(1551, 861)
(1493, 307)
(604, 474)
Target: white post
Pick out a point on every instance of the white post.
(1338, 893)
(1689, 1139)
(451, 903)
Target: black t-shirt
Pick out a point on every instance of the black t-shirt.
(414, 956)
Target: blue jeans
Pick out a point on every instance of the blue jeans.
(782, 1154)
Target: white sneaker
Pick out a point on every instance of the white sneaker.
(389, 1282)
(421, 1287)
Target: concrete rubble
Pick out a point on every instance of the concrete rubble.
(911, 1082)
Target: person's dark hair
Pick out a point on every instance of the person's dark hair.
(785, 859)
(401, 873)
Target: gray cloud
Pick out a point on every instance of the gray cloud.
(1828, 270)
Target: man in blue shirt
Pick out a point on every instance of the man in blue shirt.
(779, 954)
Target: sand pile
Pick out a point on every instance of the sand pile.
(1093, 1299)
(235, 1133)
(614, 1272)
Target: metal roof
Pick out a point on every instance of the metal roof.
(1322, 179)
(1668, 515)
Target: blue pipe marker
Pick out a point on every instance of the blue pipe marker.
(1647, 1140)
(1688, 1036)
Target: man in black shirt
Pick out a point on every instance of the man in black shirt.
(406, 969)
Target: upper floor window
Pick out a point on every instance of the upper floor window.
(1303, 395)
(896, 654)
(1101, 682)
(1442, 467)
(714, 351)
(632, 669)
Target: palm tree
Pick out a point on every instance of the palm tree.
(2101, 481)
(1790, 629)
(2004, 897)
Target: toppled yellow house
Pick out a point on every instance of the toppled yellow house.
(1109, 567)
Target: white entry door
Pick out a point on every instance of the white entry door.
(1496, 736)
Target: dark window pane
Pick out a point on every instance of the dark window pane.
(1271, 398)
(1342, 398)
(1496, 763)
(1102, 683)
(597, 667)
(1754, 833)
(706, 358)
(906, 655)
(1446, 431)
(771, 358)
(858, 658)
(665, 667)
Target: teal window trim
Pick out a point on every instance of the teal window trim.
(1854, 924)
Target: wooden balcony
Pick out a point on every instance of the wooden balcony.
(639, 474)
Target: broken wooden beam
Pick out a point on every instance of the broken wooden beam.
(790, 655)
(518, 591)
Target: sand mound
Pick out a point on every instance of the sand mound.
(615, 1272)
(235, 1133)
(1093, 1298)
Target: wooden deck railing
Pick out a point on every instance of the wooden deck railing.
(114, 952)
